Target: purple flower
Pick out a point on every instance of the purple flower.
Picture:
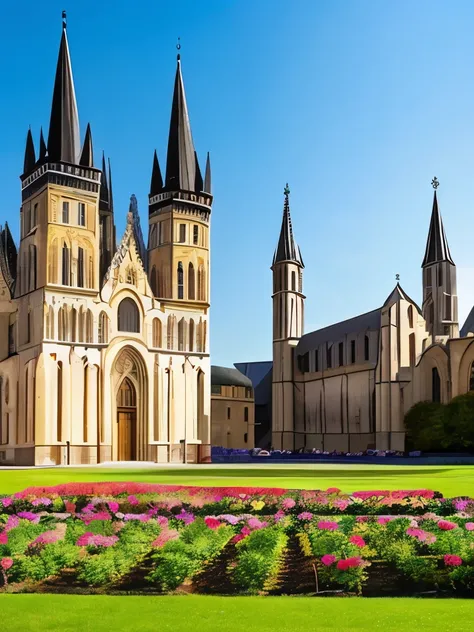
(185, 516)
(41, 501)
(28, 515)
(140, 517)
(461, 505)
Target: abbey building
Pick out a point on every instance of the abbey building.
(104, 346)
(348, 386)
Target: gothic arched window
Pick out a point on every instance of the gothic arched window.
(412, 349)
(66, 266)
(293, 281)
(191, 335)
(410, 316)
(191, 284)
(435, 385)
(157, 332)
(128, 316)
(170, 332)
(103, 328)
(181, 334)
(180, 280)
(471, 379)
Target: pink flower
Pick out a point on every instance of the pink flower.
(113, 506)
(305, 515)
(417, 533)
(90, 539)
(28, 515)
(6, 563)
(255, 524)
(41, 501)
(162, 521)
(100, 515)
(88, 508)
(328, 525)
(288, 503)
(469, 526)
(12, 522)
(279, 515)
(333, 490)
(341, 503)
(350, 562)
(245, 531)
(357, 540)
(140, 517)
(384, 519)
(185, 516)
(7, 502)
(165, 536)
(133, 500)
(212, 523)
(327, 560)
(238, 538)
(452, 560)
(445, 525)
(48, 537)
(362, 519)
(3, 537)
(461, 505)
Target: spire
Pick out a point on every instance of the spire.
(156, 185)
(207, 176)
(111, 197)
(64, 141)
(42, 148)
(30, 156)
(181, 161)
(104, 199)
(133, 218)
(287, 249)
(198, 185)
(87, 155)
(437, 248)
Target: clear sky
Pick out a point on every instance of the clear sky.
(357, 104)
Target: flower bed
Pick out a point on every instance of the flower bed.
(100, 534)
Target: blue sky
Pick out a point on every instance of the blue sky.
(356, 104)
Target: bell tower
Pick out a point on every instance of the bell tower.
(179, 215)
(288, 326)
(440, 301)
(59, 234)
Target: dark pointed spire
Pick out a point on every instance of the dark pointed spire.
(134, 219)
(30, 156)
(87, 155)
(287, 249)
(63, 140)
(198, 185)
(156, 185)
(42, 149)
(437, 248)
(104, 198)
(111, 197)
(181, 161)
(8, 257)
(207, 176)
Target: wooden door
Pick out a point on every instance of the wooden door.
(127, 439)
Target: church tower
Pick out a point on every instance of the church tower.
(440, 301)
(179, 215)
(288, 325)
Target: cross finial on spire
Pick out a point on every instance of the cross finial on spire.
(286, 190)
(178, 48)
(64, 19)
(435, 183)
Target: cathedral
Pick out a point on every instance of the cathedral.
(347, 387)
(104, 346)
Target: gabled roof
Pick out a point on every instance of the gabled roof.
(468, 326)
(64, 142)
(369, 321)
(287, 249)
(437, 248)
(132, 237)
(181, 158)
(397, 294)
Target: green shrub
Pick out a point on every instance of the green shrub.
(459, 422)
(47, 561)
(258, 559)
(425, 424)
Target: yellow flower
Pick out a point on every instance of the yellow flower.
(257, 504)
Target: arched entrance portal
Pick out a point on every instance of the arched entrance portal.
(127, 421)
(130, 431)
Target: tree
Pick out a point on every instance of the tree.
(459, 422)
(425, 425)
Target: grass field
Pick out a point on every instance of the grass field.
(450, 480)
(282, 614)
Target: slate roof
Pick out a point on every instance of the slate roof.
(437, 248)
(226, 376)
(287, 248)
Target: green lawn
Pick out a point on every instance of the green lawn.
(450, 480)
(250, 614)
(69, 613)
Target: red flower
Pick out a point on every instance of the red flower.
(212, 523)
(452, 560)
(445, 525)
(357, 540)
(6, 563)
(350, 562)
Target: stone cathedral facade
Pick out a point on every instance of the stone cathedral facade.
(348, 386)
(104, 347)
